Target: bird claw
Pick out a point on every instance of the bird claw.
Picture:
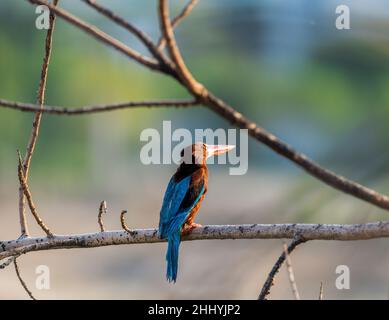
(189, 228)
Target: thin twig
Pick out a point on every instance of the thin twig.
(321, 292)
(291, 276)
(102, 210)
(28, 107)
(177, 20)
(265, 291)
(123, 222)
(27, 193)
(350, 232)
(24, 285)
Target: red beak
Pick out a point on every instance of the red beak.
(214, 150)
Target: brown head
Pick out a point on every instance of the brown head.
(199, 152)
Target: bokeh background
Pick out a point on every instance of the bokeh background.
(283, 64)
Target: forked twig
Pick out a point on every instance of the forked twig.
(265, 291)
(177, 20)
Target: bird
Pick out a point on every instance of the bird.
(183, 196)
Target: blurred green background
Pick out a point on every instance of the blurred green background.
(281, 63)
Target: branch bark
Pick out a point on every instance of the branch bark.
(307, 232)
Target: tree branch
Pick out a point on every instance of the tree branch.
(338, 232)
(28, 107)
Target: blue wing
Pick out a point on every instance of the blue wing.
(175, 193)
(171, 217)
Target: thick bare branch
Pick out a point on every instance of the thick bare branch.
(28, 107)
(24, 285)
(265, 291)
(177, 20)
(222, 232)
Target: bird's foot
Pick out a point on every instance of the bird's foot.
(188, 228)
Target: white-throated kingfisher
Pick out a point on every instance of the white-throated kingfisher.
(183, 196)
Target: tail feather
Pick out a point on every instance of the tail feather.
(174, 241)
